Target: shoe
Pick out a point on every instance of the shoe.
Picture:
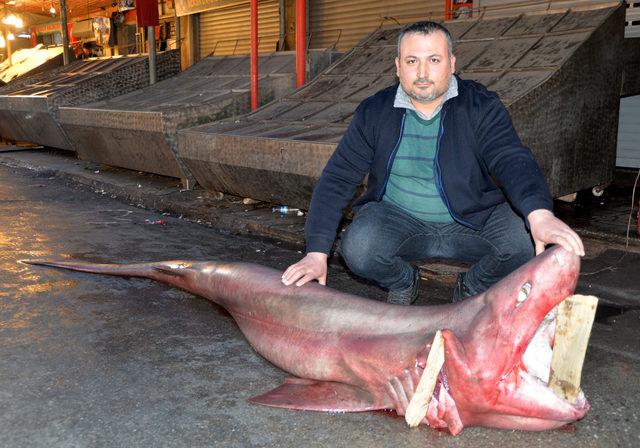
(460, 291)
(408, 295)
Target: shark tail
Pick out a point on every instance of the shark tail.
(127, 270)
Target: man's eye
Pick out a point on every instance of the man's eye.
(411, 61)
(435, 60)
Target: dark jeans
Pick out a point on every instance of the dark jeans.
(383, 240)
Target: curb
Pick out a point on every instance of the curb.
(224, 212)
(161, 194)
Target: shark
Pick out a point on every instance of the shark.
(346, 353)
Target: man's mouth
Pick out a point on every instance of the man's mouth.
(420, 83)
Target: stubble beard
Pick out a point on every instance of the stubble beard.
(426, 98)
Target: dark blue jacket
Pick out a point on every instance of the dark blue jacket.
(479, 164)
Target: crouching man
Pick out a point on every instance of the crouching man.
(447, 178)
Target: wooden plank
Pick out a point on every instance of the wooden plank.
(419, 403)
(573, 328)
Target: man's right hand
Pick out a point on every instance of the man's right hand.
(312, 267)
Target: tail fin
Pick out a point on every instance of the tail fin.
(127, 270)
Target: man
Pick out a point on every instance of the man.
(86, 51)
(447, 177)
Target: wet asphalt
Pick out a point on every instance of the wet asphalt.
(89, 360)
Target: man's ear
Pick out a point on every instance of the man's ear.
(453, 64)
(397, 67)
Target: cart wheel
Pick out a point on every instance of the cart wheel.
(597, 191)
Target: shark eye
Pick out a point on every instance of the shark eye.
(523, 293)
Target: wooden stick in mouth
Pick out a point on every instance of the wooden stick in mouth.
(573, 328)
(419, 403)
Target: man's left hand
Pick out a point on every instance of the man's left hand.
(547, 229)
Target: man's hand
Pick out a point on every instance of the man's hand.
(312, 267)
(547, 229)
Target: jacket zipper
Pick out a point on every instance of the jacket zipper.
(391, 157)
(438, 177)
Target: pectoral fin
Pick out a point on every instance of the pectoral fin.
(324, 396)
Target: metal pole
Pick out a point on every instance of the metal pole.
(9, 51)
(7, 43)
(254, 54)
(65, 32)
(301, 42)
(5, 35)
(151, 40)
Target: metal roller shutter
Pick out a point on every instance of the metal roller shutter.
(345, 22)
(512, 7)
(632, 28)
(225, 31)
(628, 152)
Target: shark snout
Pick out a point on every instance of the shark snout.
(560, 259)
(565, 259)
(546, 280)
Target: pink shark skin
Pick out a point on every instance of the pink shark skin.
(351, 354)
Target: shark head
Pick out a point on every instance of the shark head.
(497, 372)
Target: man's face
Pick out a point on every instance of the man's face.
(424, 66)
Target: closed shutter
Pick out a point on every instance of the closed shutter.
(628, 152)
(226, 31)
(346, 22)
(514, 7)
(506, 7)
(632, 28)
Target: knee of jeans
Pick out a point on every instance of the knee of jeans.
(358, 251)
(520, 252)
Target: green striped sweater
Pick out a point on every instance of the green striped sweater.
(412, 185)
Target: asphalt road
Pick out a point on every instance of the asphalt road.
(88, 360)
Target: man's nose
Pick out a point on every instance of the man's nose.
(422, 70)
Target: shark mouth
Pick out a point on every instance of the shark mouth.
(537, 357)
(499, 373)
(523, 400)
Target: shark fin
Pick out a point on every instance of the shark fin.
(323, 396)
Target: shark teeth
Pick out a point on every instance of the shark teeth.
(537, 356)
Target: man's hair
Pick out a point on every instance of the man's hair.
(426, 27)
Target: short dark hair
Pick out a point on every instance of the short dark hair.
(426, 27)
